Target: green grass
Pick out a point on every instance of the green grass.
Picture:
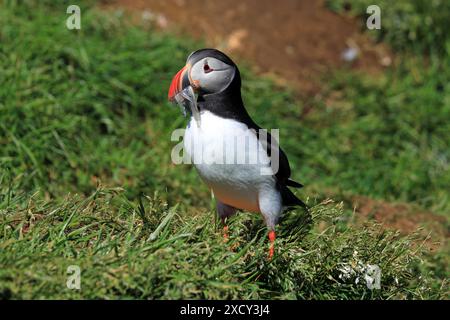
(420, 26)
(85, 133)
(152, 251)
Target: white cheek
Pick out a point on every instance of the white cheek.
(216, 81)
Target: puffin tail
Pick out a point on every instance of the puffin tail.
(290, 200)
(294, 184)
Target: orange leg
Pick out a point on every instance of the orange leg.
(225, 229)
(225, 233)
(272, 243)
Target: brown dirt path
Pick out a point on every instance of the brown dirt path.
(297, 41)
(403, 217)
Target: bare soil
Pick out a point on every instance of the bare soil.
(403, 217)
(297, 41)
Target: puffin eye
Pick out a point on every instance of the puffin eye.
(207, 68)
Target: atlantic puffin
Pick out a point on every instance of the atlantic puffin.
(211, 82)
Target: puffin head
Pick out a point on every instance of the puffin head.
(208, 72)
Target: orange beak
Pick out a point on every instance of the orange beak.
(177, 83)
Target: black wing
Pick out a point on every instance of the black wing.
(284, 170)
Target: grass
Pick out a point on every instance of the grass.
(153, 251)
(419, 26)
(86, 176)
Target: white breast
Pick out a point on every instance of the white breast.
(215, 148)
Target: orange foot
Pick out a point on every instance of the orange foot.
(272, 243)
(225, 233)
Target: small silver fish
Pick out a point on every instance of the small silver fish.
(187, 100)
